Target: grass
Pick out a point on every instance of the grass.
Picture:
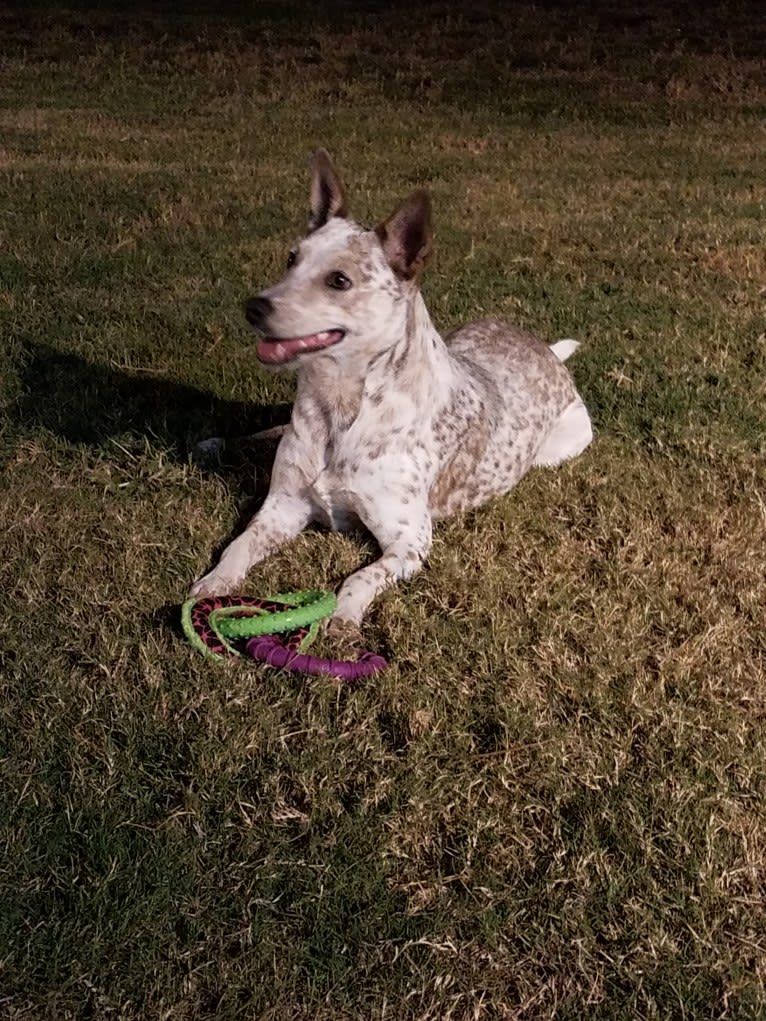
(552, 804)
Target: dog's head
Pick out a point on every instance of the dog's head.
(344, 294)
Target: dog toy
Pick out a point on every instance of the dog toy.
(276, 630)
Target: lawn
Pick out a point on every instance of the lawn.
(553, 803)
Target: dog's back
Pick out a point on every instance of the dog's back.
(512, 389)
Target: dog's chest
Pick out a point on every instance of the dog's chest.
(361, 477)
(333, 501)
(342, 502)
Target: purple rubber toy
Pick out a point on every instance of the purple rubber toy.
(275, 651)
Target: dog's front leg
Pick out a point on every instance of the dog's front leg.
(404, 546)
(281, 517)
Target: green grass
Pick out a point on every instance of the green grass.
(552, 804)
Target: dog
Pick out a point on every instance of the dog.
(392, 427)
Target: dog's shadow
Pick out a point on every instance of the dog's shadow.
(93, 405)
(97, 406)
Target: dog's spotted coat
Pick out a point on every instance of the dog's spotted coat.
(392, 426)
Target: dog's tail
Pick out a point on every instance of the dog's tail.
(564, 348)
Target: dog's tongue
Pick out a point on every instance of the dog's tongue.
(276, 352)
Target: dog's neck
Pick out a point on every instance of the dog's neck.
(417, 366)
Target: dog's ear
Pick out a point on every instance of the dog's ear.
(407, 236)
(327, 195)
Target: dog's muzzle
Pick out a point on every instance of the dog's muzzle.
(280, 350)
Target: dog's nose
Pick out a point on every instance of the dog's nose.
(257, 311)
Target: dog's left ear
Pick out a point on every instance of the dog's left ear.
(407, 236)
(327, 196)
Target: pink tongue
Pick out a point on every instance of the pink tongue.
(275, 352)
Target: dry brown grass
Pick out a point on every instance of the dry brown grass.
(551, 805)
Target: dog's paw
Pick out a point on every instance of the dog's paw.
(345, 635)
(215, 583)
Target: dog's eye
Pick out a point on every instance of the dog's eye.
(291, 259)
(338, 281)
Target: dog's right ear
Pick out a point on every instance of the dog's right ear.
(407, 236)
(327, 196)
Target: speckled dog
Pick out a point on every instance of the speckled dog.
(392, 426)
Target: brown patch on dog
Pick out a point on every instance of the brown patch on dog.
(452, 481)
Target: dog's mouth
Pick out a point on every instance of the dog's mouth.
(277, 351)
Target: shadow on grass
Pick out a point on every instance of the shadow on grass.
(97, 407)
(94, 405)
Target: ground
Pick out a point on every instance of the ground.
(552, 804)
